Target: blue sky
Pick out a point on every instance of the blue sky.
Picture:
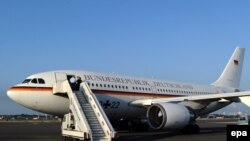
(189, 41)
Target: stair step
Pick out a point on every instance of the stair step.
(88, 112)
(99, 138)
(96, 130)
(90, 115)
(98, 135)
(95, 124)
(92, 118)
(85, 106)
(96, 127)
(87, 109)
(93, 121)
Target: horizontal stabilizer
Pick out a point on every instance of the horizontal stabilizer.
(245, 100)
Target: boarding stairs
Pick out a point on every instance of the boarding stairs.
(86, 119)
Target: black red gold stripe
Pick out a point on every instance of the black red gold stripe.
(21, 88)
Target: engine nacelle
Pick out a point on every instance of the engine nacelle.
(169, 116)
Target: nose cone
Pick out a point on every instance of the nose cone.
(12, 94)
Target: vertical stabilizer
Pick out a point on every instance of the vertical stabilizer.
(231, 75)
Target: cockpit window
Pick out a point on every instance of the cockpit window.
(26, 81)
(34, 81)
(41, 81)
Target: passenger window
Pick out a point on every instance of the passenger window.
(34, 81)
(41, 81)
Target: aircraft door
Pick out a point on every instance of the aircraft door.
(153, 89)
(60, 76)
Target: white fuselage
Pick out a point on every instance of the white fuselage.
(114, 93)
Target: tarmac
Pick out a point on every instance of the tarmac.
(50, 131)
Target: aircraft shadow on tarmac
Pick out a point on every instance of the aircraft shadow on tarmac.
(156, 135)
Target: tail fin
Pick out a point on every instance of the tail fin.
(232, 73)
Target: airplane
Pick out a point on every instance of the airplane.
(164, 105)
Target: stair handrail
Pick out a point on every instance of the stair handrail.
(79, 115)
(91, 98)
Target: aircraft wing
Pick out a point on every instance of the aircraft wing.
(198, 98)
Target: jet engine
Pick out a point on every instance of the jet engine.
(169, 116)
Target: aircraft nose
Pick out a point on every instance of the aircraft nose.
(12, 95)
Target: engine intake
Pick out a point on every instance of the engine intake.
(169, 116)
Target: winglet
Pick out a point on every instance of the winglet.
(232, 73)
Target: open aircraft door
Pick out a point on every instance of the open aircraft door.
(60, 76)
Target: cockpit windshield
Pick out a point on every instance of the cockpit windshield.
(26, 81)
(34, 81)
